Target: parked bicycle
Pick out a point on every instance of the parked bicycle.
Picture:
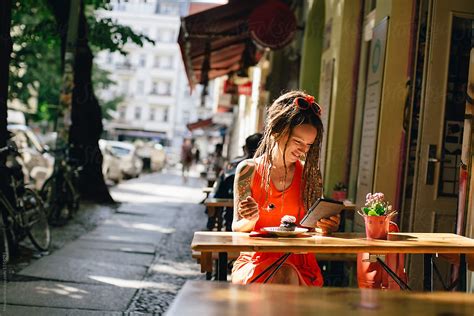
(59, 192)
(22, 210)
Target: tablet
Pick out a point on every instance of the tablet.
(322, 208)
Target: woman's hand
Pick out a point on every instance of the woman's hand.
(329, 225)
(248, 208)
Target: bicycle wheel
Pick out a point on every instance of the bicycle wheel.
(53, 203)
(72, 197)
(4, 245)
(36, 221)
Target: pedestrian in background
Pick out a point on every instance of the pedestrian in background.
(186, 158)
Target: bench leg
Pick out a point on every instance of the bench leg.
(462, 287)
(222, 267)
(428, 272)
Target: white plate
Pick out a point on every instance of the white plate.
(281, 233)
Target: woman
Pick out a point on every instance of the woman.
(275, 183)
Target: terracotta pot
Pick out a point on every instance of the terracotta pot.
(376, 227)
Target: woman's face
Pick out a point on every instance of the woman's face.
(299, 142)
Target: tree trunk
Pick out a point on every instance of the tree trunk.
(5, 51)
(86, 115)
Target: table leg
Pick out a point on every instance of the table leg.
(222, 267)
(281, 260)
(462, 273)
(394, 276)
(428, 272)
(277, 268)
(219, 218)
(211, 218)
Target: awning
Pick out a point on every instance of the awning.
(217, 121)
(222, 40)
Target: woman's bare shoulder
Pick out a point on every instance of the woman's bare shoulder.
(245, 165)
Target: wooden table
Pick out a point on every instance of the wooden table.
(413, 243)
(220, 298)
(213, 209)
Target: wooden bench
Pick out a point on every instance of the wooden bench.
(214, 212)
(222, 298)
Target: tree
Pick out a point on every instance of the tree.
(36, 61)
(39, 70)
(5, 50)
(86, 115)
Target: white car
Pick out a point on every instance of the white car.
(152, 154)
(130, 164)
(38, 164)
(111, 164)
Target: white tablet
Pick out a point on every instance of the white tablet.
(322, 208)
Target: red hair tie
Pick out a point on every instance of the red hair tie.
(309, 99)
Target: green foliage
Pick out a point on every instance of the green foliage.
(36, 59)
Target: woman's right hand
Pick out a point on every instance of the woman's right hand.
(248, 208)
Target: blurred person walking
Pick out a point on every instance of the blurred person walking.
(186, 158)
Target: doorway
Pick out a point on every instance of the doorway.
(436, 144)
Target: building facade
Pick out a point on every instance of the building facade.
(156, 100)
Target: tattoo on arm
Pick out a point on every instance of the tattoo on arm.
(243, 183)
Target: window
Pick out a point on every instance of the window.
(168, 8)
(138, 113)
(140, 87)
(165, 115)
(166, 62)
(142, 61)
(154, 88)
(122, 111)
(125, 85)
(152, 114)
(164, 88)
(186, 117)
(166, 36)
(156, 62)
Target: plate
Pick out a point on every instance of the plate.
(281, 233)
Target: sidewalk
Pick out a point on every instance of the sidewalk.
(134, 261)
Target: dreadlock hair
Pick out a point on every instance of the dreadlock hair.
(282, 117)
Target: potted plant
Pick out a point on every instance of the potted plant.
(339, 192)
(377, 214)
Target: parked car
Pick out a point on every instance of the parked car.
(38, 163)
(130, 164)
(152, 154)
(111, 163)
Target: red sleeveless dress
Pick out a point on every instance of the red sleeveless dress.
(251, 264)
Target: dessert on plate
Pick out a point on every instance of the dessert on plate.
(288, 223)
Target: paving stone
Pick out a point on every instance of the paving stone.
(48, 311)
(68, 295)
(100, 255)
(81, 270)
(126, 235)
(114, 246)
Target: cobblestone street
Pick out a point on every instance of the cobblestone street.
(131, 259)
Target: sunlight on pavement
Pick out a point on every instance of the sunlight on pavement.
(142, 226)
(135, 284)
(61, 289)
(175, 268)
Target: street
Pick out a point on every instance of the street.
(134, 261)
